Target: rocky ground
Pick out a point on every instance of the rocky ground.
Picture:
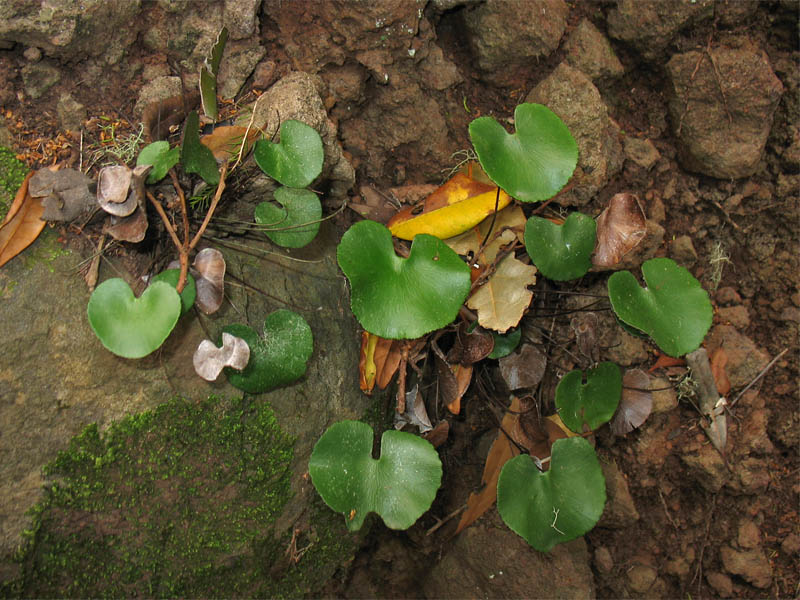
(693, 106)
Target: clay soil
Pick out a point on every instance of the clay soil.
(761, 244)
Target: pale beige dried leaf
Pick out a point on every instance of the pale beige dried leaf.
(502, 300)
(209, 360)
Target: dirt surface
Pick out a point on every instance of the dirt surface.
(688, 523)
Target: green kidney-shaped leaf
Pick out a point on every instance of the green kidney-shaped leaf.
(189, 293)
(398, 298)
(558, 505)
(161, 157)
(673, 309)
(294, 225)
(296, 160)
(593, 402)
(561, 252)
(532, 164)
(400, 486)
(277, 357)
(133, 327)
(195, 156)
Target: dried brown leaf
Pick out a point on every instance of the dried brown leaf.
(503, 299)
(524, 368)
(620, 228)
(22, 224)
(635, 404)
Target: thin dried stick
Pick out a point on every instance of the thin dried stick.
(176, 184)
(210, 213)
(167, 223)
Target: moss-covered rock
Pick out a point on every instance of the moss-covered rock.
(177, 501)
(12, 173)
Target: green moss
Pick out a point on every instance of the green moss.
(179, 501)
(44, 251)
(12, 174)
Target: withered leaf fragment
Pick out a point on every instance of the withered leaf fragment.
(209, 360)
(130, 228)
(620, 228)
(470, 347)
(523, 369)
(635, 404)
(209, 264)
(65, 194)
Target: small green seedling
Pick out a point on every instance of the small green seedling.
(159, 155)
(400, 298)
(296, 160)
(673, 308)
(400, 486)
(195, 156)
(133, 327)
(296, 223)
(561, 252)
(592, 403)
(561, 504)
(278, 356)
(532, 164)
(189, 293)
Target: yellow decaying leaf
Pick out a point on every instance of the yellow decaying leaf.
(556, 420)
(458, 205)
(502, 300)
(507, 219)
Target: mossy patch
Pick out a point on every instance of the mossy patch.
(12, 174)
(178, 501)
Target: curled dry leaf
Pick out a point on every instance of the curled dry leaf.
(415, 413)
(585, 325)
(209, 360)
(536, 433)
(132, 227)
(620, 228)
(438, 435)
(635, 404)
(523, 369)
(114, 194)
(373, 362)
(210, 280)
(64, 194)
(470, 347)
(22, 224)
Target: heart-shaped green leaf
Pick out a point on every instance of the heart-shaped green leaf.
(294, 225)
(195, 156)
(532, 164)
(400, 486)
(277, 357)
(296, 160)
(561, 252)
(593, 402)
(133, 327)
(161, 157)
(558, 505)
(189, 293)
(398, 298)
(673, 309)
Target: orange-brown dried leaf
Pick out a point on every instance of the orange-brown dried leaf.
(463, 377)
(502, 450)
(456, 206)
(22, 224)
(620, 228)
(225, 141)
(372, 361)
(665, 362)
(718, 361)
(388, 355)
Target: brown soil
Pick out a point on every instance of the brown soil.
(680, 520)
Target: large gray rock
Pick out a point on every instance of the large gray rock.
(241, 18)
(506, 36)
(573, 97)
(491, 561)
(69, 29)
(297, 96)
(721, 106)
(650, 26)
(187, 36)
(56, 377)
